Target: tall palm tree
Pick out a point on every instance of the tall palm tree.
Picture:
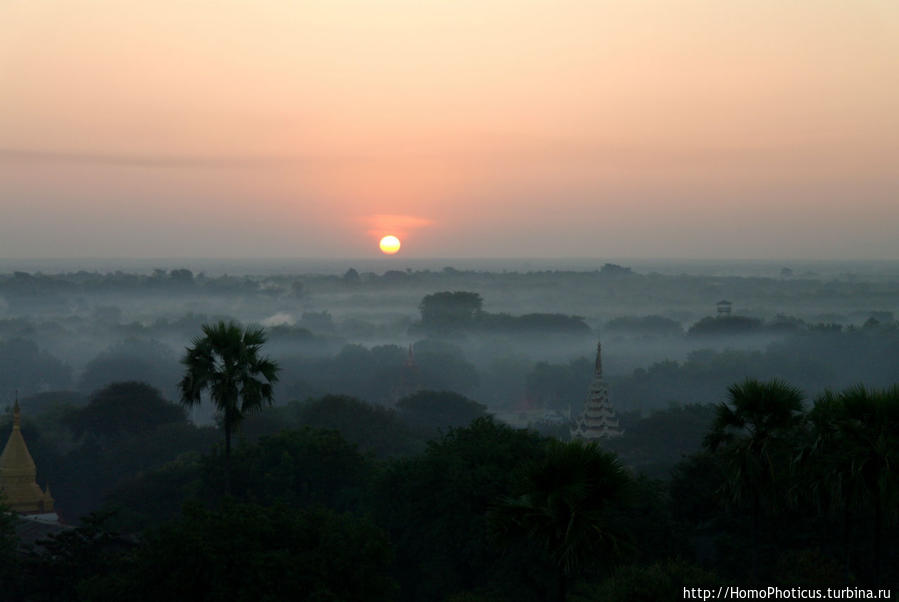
(858, 438)
(754, 433)
(826, 468)
(566, 509)
(226, 362)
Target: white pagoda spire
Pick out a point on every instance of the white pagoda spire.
(599, 420)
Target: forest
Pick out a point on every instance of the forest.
(410, 440)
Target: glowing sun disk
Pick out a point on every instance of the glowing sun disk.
(390, 245)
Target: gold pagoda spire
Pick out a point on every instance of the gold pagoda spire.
(18, 472)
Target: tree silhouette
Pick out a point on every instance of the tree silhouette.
(226, 361)
(753, 433)
(123, 408)
(857, 442)
(450, 310)
(827, 475)
(567, 509)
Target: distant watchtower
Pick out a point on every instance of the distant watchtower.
(724, 308)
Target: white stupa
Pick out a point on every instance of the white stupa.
(598, 420)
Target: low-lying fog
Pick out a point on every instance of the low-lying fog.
(524, 341)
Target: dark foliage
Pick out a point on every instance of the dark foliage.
(647, 325)
(568, 506)
(309, 467)
(433, 411)
(25, 367)
(374, 429)
(435, 508)
(450, 310)
(237, 553)
(725, 325)
(125, 408)
(134, 359)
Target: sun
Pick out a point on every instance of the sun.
(390, 245)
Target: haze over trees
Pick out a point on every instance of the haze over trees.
(395, 439)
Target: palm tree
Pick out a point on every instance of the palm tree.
(857, 438)
(826, 468)
(753, 433)
(566, 509)
(226, 361)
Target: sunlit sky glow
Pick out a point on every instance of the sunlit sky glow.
(495, 128)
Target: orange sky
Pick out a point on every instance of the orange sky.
(639, 128)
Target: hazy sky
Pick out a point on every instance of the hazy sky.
(634, 128)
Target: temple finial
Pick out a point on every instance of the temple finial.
(598, 358)
(16, 412)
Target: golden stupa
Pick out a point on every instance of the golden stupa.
(20, 492)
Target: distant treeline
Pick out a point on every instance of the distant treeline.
(813, 356)
(609, 288)
(462, 311)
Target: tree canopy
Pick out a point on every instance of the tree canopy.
(124, 408)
